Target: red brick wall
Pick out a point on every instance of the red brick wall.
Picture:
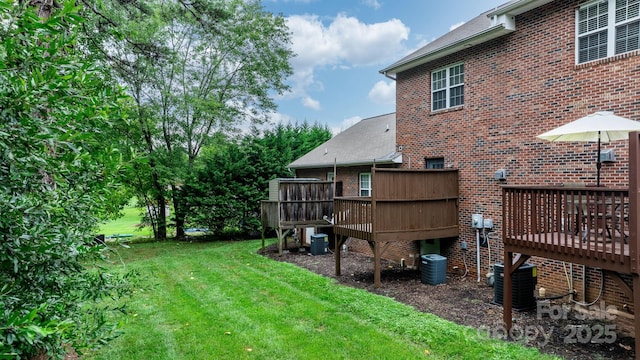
(517, 87)
(313, 173)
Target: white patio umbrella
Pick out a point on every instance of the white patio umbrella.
(602, 126)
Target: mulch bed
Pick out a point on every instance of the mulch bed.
(465, 301)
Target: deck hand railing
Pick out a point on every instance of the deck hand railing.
(353, 215)
(581, 221)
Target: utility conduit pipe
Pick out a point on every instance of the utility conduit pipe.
(478, 251)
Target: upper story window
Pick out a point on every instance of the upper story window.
(447, 87)
(365, 184)
(607, 28)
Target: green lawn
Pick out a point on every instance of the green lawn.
(223, 301)
(127, 224)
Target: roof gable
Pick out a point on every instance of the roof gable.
(484, 27)
(369, 141)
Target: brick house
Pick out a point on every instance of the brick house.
(353, 152)
(475, 99)
(349, 156)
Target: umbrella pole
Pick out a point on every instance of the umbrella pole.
(598, 164)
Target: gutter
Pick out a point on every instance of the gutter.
(395, 160)
(478, 38)
(503, 22)
(517, 8)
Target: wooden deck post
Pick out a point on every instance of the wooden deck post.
(636, 313)
(507, 296)
(281, 235)
(634, 232)
(338, 241)
(377, 282)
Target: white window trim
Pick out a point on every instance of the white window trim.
(611, 30)
(447, 87)
(360, 184)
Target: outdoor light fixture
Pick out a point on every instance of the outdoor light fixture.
(607, 156)
(500, 174)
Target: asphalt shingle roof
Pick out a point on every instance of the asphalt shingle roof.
(466, 30)
(368, 141)
(470, 29)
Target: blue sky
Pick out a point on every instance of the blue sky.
(342, 44)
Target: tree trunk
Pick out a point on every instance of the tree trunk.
(161, 203)
(179, 211)
(45, 7)
(161, 220)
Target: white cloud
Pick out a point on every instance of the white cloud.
(345, 124)
(280, 118)
(383, 92)
(372, 3)
(345, 42)
(273, 118)
(294, 1)
(311, 103)
(455, 26)
(363, 44)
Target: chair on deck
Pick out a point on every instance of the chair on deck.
(577, 210)
(586, 211)
(620, 217)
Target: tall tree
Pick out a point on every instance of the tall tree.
(58, 176)
(232, 177)
(195, 68)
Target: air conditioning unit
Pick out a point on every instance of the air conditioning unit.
(523, 286)
(319, 244)
(433, 269)
(607, 155)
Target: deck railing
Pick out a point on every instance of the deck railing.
(405, 205)
(353, 216)
(590, 223)
(298, 203)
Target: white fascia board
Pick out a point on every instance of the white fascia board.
(397, 160)
(517, 8)
(491, 33)
(503, 18)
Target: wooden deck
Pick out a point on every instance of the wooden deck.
(584, 225)
(593, 226)
(596, 251)
(296, 203)
(406, 205)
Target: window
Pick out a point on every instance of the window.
(365, 184)
(434, 163)
(607, 28)
(330, 176)
(447, 87)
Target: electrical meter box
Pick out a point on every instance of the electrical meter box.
(476, 221)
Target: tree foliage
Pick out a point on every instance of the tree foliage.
(58, 175)
(232, 177)
(195, 69)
